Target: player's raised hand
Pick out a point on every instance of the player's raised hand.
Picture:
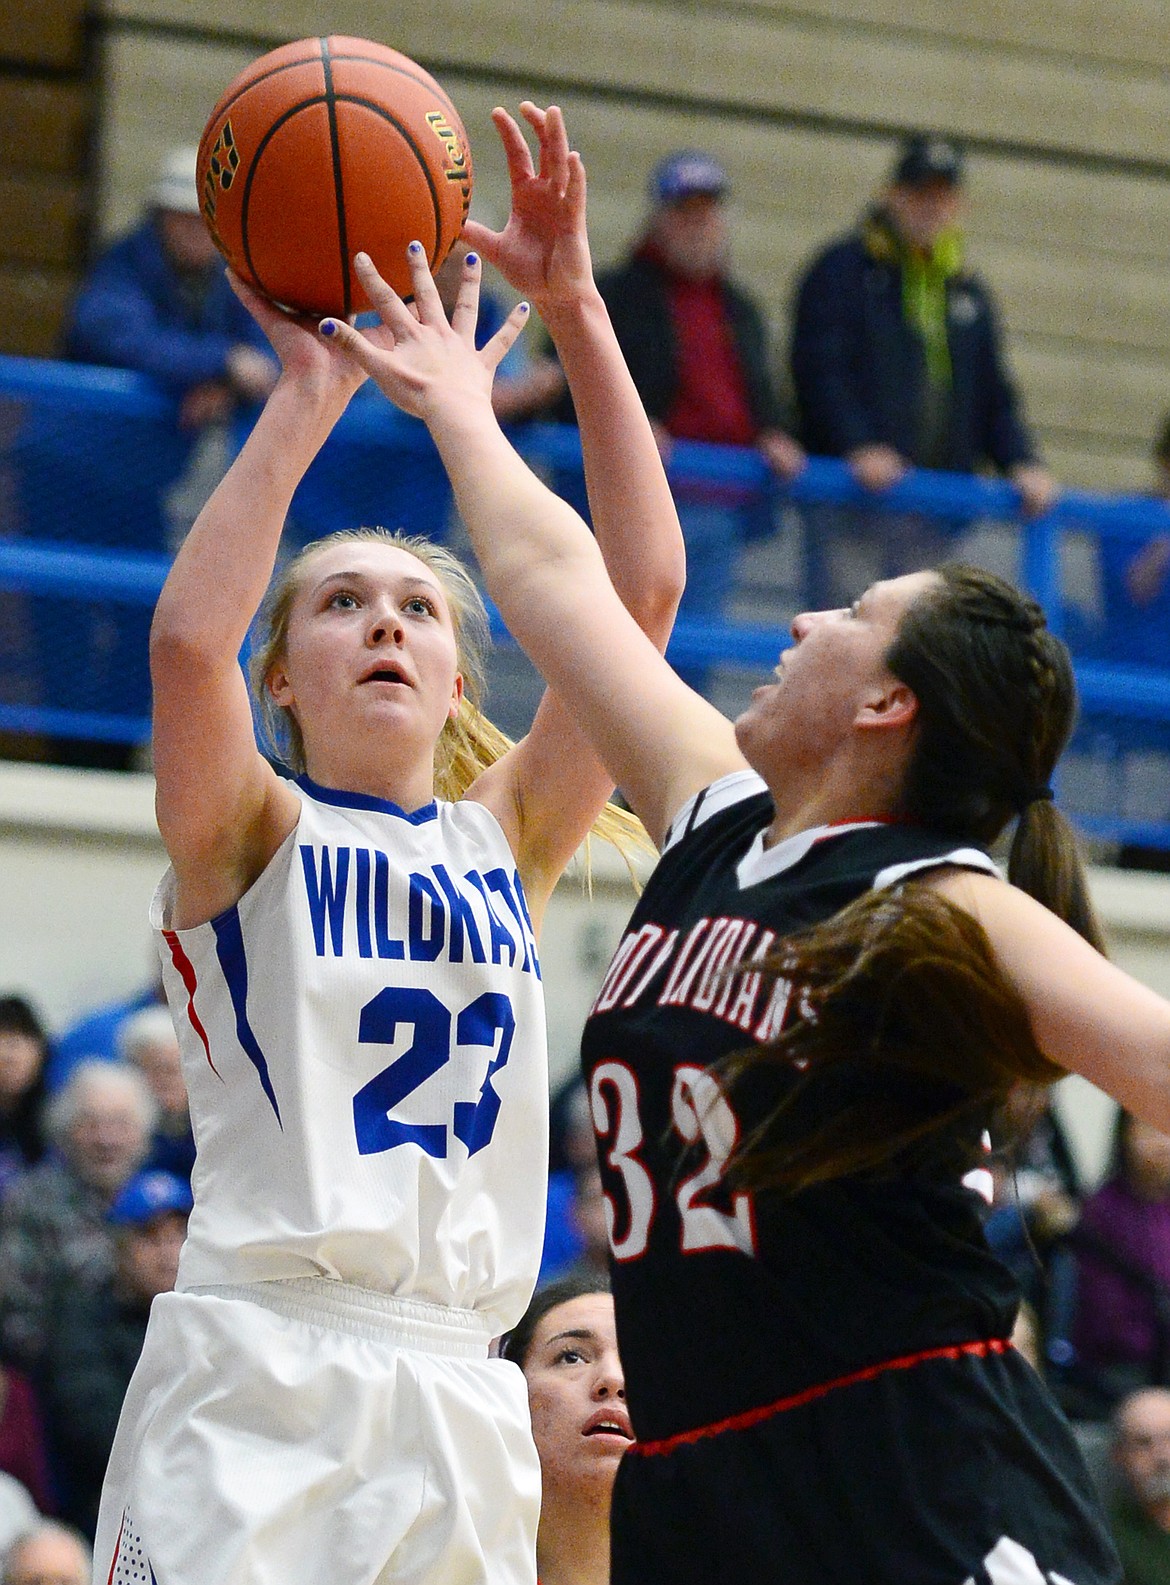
(415, 356)
(302, 354)
(543, 250)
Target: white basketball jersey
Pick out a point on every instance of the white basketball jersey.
(363, 1042)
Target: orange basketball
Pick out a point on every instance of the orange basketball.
(325, 148)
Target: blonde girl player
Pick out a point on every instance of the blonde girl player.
(825, 991)
(351, 962)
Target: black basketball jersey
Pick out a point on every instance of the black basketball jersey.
(766, 1296)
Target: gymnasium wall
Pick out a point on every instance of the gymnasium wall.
(1065, 106)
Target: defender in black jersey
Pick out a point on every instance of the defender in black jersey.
(866, 1315)
(815, 1337)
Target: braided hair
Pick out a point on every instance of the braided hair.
(996, 706)
(908, 1027)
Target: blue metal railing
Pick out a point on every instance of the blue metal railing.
(65, 569)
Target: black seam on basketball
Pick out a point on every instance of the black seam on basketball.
(222, 108)
(421, 76)
(424, 167)
(338, 183)
(253, 167)
(225, 105)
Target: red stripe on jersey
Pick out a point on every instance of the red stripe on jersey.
(117, 1548)
(740, 1422)
(186, 972)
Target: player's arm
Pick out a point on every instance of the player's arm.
(659, 741)
(555, 780)
(1086, 1014)
(222, 810)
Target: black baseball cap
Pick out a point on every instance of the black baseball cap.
(928, 157)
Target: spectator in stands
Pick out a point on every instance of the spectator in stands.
(588, 1212)
(1136, 582)
(566, 1345)
(95, 1035)
(1121, 1329)
(158, 302)
(697, 347)
(23, 1453)
(897, 361)
(54, 1234)
(1140, 1513)
(50, 1554)
(18, 1517)
(96, 1336)
(1036, 1200)
(572, 1150)
(24, 1051)
(148, 1042)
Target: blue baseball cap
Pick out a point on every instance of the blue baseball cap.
(685, 174)
(150, 1194)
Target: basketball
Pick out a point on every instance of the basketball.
(325, 148)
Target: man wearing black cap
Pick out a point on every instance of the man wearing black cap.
(697, 347)
(896, 356)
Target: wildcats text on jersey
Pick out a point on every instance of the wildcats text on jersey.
(358, 902)
(709, 970)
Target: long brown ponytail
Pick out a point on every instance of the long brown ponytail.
(906, 1025)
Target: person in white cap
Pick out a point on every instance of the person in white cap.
(157, 302)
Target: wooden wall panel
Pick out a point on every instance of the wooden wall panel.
(771, 62)
(804, 102)
(43, 33)
(1130, 32)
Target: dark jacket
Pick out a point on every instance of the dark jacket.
(636, 295)
(95, 1339)
(859, 368)
(131, 312)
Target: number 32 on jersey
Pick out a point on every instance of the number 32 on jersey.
(700, 1116)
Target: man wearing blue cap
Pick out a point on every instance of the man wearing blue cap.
(896, 354)
(697, 347)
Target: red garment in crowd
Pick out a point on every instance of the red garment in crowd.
(22, 1439)
(711, 402)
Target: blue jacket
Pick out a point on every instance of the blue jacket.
(859, 369)
(131, 313)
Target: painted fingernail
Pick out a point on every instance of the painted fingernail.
(524, 308)
(414, 247)
(328, 327)
(473, 258)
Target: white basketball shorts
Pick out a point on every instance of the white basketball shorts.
(304, 1432)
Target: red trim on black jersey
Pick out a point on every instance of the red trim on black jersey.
(740, 1422)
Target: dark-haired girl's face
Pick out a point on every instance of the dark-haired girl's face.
(835, 667)
(576, 1392)
(21, 1057)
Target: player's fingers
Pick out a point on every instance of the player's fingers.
(426, 294)
(479, 237)
(383, 298)
(352, 343)
(516, 150)
(505, 336)
(575, 184)
(466, 310)
(554, 149)
(248, 295)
